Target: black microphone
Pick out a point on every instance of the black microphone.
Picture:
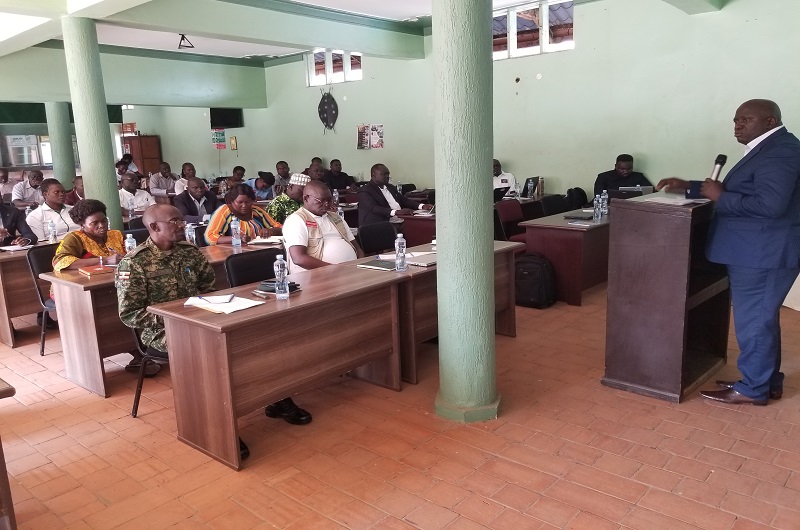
(718, 163)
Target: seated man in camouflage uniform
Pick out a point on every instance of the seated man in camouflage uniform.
(165, 268)
(289, 201)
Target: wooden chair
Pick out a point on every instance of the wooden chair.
(251, 267)
(376, 238)
(553, 204)
(40, 259)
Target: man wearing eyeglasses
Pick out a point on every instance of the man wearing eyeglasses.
(315, 236)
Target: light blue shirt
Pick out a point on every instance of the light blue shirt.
(263, 194)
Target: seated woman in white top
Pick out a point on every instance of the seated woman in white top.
(54, 210)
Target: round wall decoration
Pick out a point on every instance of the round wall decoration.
(328, 110)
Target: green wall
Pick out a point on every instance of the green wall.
(645, 78)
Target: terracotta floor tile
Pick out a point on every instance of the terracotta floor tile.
(552, 511)
(430, 516)
(585, 499)
(749, 508)
(513, 520)
(445, 494)
(687, 510)
(479, 509)
(399, 503)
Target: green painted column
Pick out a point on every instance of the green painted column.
(90, 114)
(60, 132)
(462, 53)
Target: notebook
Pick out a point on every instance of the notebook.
(423, 213)
(378, 264)
(499, 193)
(95, 270)
(425, 260)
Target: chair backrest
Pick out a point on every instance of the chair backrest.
(40, 259)
(136, 223)
(408, 188)
(510, 213)
(139, 234)
(350, 197)
(250, 267)
(499, 229)
(377, 237)
(200, 236)
(553, 204)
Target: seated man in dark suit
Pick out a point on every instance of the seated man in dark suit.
(336, 179)
(14, 223)
(622, 175)
(196, 202)
(378, 201)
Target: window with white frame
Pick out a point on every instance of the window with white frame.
(326, 67)
(537, 27)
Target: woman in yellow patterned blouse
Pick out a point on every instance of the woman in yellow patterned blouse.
(85, 247)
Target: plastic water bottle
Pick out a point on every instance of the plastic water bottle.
(27, 211)
(236, 233)
(52, 236)
(131, 208)
(336, 197)
(340, 211)
(281, 285)
(400, 254)
(399, 188)
(190, 233)
(598, 208)
(130, 244)
(604, 203)
(530, 189)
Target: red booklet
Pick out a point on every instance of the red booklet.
(95, 269)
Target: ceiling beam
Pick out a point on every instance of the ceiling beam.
(231, 21)
(693, 7)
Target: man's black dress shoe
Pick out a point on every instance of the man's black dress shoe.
(244, 451)
(732, 397)
(289, 411)
(773, 394)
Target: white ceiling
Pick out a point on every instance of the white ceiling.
(166, 41)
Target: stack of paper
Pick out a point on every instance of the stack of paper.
(217, 304)
(272, 240)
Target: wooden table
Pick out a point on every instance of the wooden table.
(89, 323)
(7, 518)
(418, 229)
(579, 253)
(17, 293)
(419, 320)
(226, 366)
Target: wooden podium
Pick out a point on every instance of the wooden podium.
(668, 306)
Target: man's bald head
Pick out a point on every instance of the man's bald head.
(754, 118)
(165, 224)
(158, 212)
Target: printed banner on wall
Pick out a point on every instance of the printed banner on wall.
(218, 138)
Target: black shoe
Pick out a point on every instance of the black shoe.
(289, 411)
(51, 324)
(773, 393)
(244, 452)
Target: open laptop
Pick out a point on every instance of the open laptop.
(524, 191)
(624, 194)
(499, 193)
(646, 190)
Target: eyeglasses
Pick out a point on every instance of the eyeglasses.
(319, 201)
(176, 222)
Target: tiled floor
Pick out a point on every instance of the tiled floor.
(566, 452)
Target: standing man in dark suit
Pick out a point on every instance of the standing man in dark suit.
(378, 201)
(622, 175)
(196, 202)
(756, 233)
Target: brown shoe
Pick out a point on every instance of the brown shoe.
(732, 397)
(773, 394)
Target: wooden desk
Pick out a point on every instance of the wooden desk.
(17, 293)
(418, 229)
(7, 518)
(579, 254)
(419, 319)
(226, 366)
(89, 323)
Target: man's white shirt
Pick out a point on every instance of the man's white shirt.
(23, 191)
(141, 200)
(335, 249)
(506, 180)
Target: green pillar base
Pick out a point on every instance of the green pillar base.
(448, 411)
